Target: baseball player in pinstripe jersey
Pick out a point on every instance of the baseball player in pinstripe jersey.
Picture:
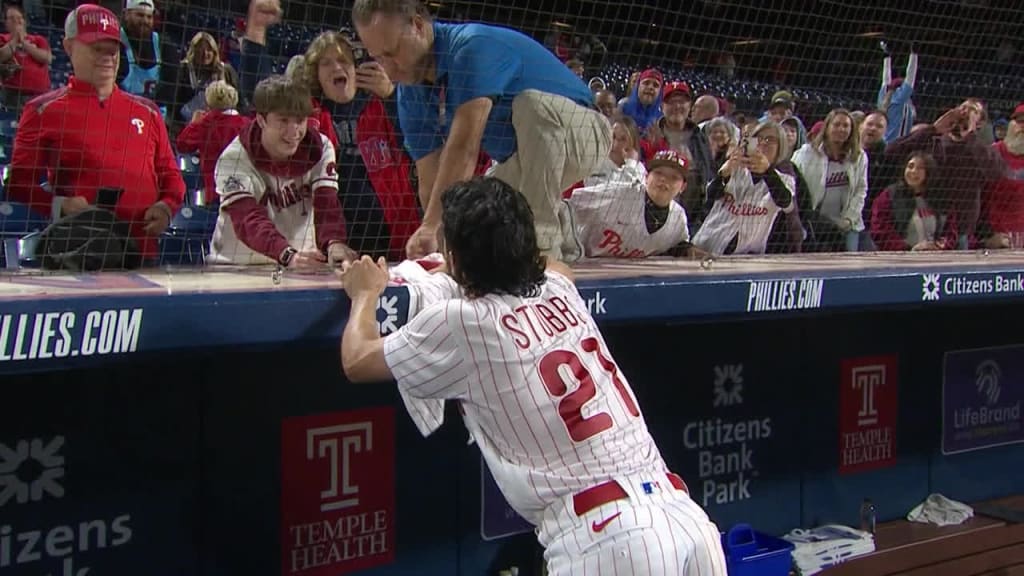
(506, 334)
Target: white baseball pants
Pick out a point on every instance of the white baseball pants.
(663, 533)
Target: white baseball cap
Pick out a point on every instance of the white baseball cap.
(141, 5)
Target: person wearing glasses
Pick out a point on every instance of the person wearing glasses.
(748, 194)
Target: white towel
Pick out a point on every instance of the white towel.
(941, 511)
(828, 545)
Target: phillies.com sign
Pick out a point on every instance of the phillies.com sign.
(337, 492)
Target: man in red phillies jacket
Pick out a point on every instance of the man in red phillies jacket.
(90, 135)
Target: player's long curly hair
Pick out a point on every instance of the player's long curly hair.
(488, 231)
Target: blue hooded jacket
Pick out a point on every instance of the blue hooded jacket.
(644, 116)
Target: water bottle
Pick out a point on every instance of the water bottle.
(867, 516)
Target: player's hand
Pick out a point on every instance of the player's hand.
(73, 205)
(364, 277)
(370, 76)
(422, 242)
(157, 218)
(307, 262)
(949, 120)
(339, 252)
(757, 163)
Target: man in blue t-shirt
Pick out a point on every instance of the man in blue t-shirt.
(467, 87)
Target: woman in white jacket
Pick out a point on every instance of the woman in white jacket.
(836, 171)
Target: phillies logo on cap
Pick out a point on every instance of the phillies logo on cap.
(93, 18)
(670, 157)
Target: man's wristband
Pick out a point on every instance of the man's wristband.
(286, 256)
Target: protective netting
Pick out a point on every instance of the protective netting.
(797, 127)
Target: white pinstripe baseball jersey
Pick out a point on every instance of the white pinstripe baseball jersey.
(746, 212)
(541, 395)
(288, 201)
(612, 224)
(555, 420)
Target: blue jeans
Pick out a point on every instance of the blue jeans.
(852, 241)
(867, 243)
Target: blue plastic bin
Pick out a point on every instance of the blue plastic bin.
(750, 553)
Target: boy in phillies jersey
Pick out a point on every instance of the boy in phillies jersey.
(633, 218)
(557, 423)
(278, 187)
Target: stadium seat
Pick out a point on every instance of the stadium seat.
(187, 240)
(18, 227)
(8, 128)
(189, 166)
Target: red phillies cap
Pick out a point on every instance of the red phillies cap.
(669, 159)
(90, 23)
(676, 88)
(652, 74)
(1018, 111)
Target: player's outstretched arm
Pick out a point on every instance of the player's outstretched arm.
(362, 348)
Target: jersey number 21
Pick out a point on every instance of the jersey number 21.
(570, 407)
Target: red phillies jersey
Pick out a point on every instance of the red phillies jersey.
(80, 144)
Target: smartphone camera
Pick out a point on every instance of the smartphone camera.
(749, 146)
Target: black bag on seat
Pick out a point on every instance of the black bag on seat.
(89, 241)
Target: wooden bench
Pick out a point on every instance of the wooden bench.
(982, 546)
